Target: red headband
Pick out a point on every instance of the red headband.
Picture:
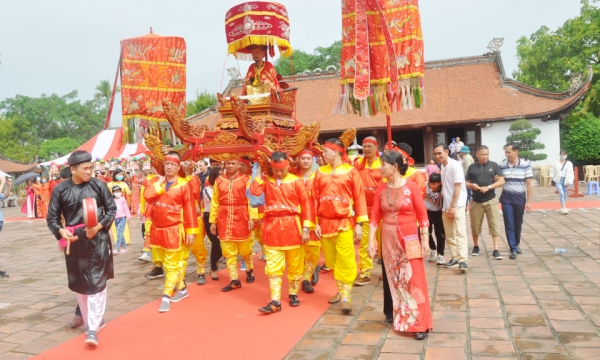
(410, 161)
(370, 141)
(339, 149)
(172, 159)
(306, 152)
(244, 161)
(280, 165)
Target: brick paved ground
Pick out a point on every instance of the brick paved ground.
(542, 306)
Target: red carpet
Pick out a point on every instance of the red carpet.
(209, 324)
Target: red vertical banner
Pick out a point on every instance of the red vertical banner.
(153, 69)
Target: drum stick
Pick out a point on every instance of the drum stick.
(68, 252)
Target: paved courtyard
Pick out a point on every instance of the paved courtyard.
(541, 306)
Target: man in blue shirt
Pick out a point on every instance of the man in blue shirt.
(516, 195)
(3, 195)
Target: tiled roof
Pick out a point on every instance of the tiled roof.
(13, 167)
(464, 90)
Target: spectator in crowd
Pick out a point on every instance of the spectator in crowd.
(203, 175)
(453, 210)
(482, 178)
(516, 195)
(561, 173)
(467, 160)
(5, 186)
(431, 167)
(434, 204)
(458, 145)
(451, 146)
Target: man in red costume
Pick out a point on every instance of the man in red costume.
(260, 73)
(173, 201)
(312, 248)
(412, 174)
(369, 168)
(340, 206)
(286, 207)
(230, 212)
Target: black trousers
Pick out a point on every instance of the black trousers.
(436, 224)
(215, 249)
(388, 302)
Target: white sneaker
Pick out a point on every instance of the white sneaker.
(123, 251)
(115, 252)
(440, 260)
(145, 257)
(431, 257)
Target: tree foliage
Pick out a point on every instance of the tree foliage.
(321, 58)
(54, 116)
(547, 59)
(524, 134)
(581, 140)
(53, 149)
(203, 101)
(16, 139)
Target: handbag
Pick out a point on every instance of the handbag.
(561, 169)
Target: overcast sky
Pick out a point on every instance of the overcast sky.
(54, 46)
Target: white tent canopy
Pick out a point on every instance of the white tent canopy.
(105, 145)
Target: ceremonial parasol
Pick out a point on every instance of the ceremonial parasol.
(257, 23)
(152, 69)
(23, 178)
(382, 64)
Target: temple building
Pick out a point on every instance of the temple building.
(469, 97)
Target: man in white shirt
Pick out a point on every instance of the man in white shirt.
(458, 145)
(452, 145)
(454, 192)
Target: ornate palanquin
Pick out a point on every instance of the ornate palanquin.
(254, 125)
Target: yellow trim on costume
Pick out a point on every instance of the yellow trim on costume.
(282, 247)
(340, 169)
(410, 171)
(362, 219)
(260, 40)
(192, 231)
(160, 63)
(267, 13)
(309, 224)
(160, 189)
(288, 179)
(150, 88)
(259, 181)
(215, 203)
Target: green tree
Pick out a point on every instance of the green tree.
(54, 116)
(321, 58)
(53, 149)
(547, 59)
(581, 140)
(524, 134)
(103, 94)
(16, 139)
(203, 101)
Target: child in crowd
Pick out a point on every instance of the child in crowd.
(433, 203)
(123, 215)
(431, 168)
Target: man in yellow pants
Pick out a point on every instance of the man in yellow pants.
(230, 212)
(312, 248)
(174, 225)
(197, 248)
(339, 203)
(369, 168)
(287, 207)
